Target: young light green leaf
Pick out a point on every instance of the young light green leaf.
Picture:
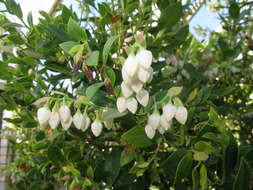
(174, 91)
(107, 48)
(203, 177)
(93, 58)
(67, 46)
(76, 31)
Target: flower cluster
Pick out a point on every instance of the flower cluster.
(163, 122)
(136, 71)
(63, 116)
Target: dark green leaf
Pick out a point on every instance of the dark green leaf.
(14, 8)
(92, 90)
(234, 10)
(107, 48)
(30, 18)
(76, 31)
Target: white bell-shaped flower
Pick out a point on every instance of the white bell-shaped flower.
(169, 111)
(136, 85)
(150, 132)
(132, 105)
(79, 120)
(126, 90)
(151, 74)
(43, 115)
(164, 123)
(65, 113)
(181, 114)
(143, 75)
(109, 124)
(96, 128)
(86, 122)
(154, 120)
(131, 65)
(145, 58)
(67, 124)
(54, 120)
(143, 97)
(121, 104)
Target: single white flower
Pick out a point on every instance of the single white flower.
(136, 85)
(131, 65)
(143, 75)
(79, 120)
(169, 111)
(121, 104)
(132, 105)
(67, 124)
(143, 97)
(43, 115)
(164, 123)
(87, 122)
(150, 132)
(65, 113)
(154, 120)
(145, 58)
(126, 90)
(54, 120)
(181, 114)
(126, 78)
(96, 128)
(109, 124)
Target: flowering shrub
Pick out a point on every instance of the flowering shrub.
(120, 95)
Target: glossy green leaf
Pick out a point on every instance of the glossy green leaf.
(76, 31)
(107, 48)
(92, 90)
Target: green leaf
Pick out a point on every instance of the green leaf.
(107, 48)
(203, 146)
(112, 165)
(59, 33)
(76, 31)
(30, 18)
(200, 156)
(71, 169)
(183, 169)
(234, 10)
(136, 137)
(112, 113)
(127, 157)
(242, 180)
(170, 15)
(90, 172)
(93, 58)
(174, 91)
(66, 14)
(67, 46)
(54, 154)
(111, 74)
(195, 178)
(14, 8)
(92, 90)
(213, 116)
(203, 177)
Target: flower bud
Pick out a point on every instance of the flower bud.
(126, 90)
(181, 114)
(145, 58)
(131, 65)
(143, 97)
(43, 115)
(150, 132)
(154, 120)
(121, 104)
(164, 123)
(67, 124)
(169, 111)
(132, 105)
(109, 124)
(136, 85)
(54, 120)
(79, 120)
(96, 128)
(143, 75)
(65, 114)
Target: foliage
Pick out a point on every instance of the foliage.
(79, 55)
